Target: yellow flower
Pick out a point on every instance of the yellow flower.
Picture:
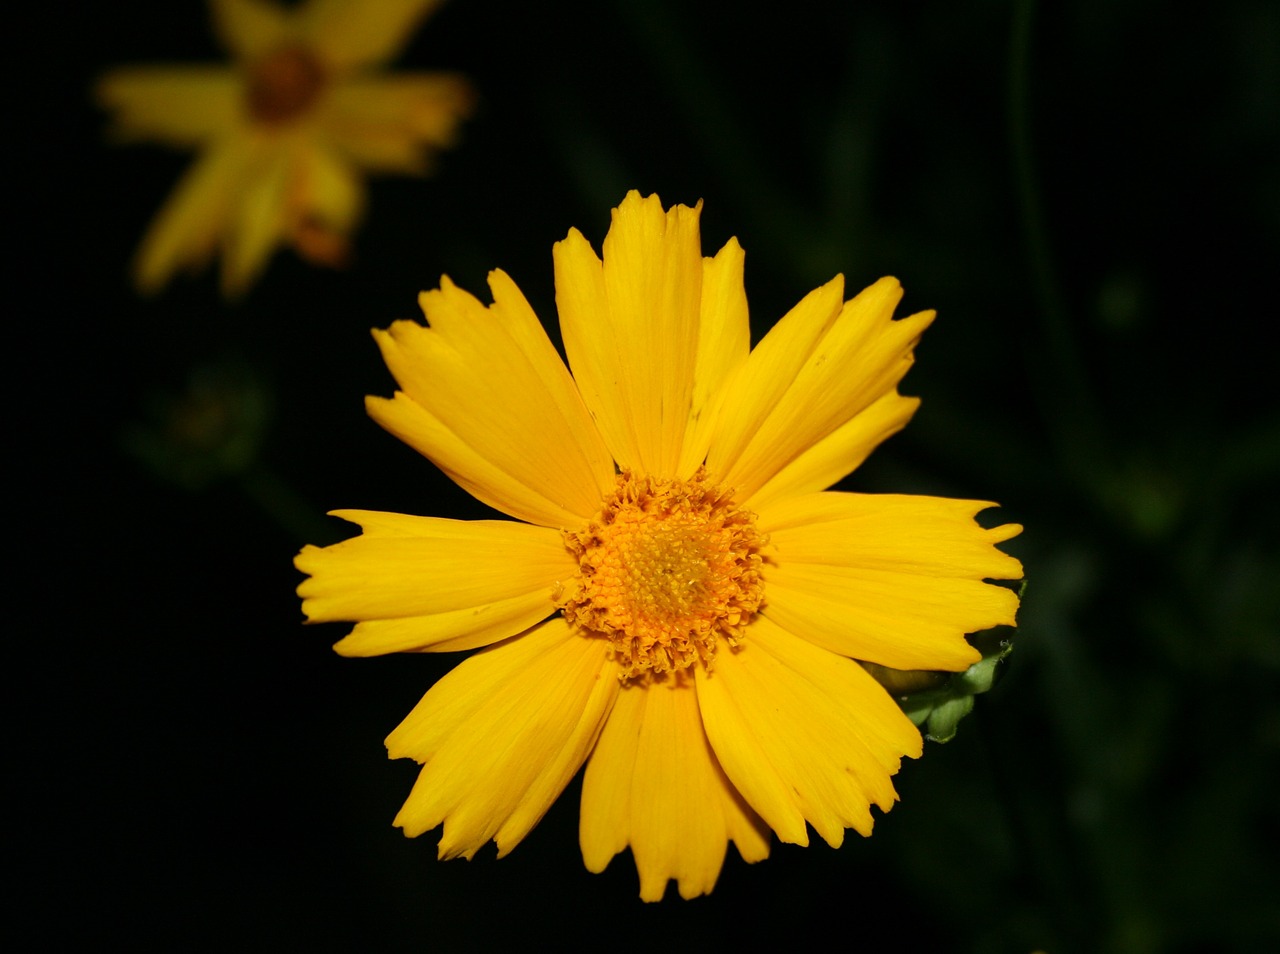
(682, 605)
(283, 132)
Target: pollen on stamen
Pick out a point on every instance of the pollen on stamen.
(667, 569)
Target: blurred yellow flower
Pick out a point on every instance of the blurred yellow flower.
(682, 605)
(284, 132)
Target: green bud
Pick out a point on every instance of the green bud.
(937, 701)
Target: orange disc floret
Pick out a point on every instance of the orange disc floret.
(667, 569)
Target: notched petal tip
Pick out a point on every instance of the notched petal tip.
(572, 238)
(1010, 566)
(1004, 532)
(634, 204)
(731, 249)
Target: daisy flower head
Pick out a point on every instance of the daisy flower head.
(284, 132)
(679, 603)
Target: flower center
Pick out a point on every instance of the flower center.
(666, 570)
(284, 84)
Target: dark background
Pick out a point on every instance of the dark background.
(1088, 194)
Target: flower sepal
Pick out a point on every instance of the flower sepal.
(937, 701)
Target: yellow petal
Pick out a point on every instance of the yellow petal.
(583, 309)
(724, 342)
(388, 151)
(178, 106)
(824, 372)
(501, 735)
(326, 191)
(763, 381)
(892, 579)
(840, 452)
(251, 28)
(407, 420)
(193, 219)
(432, 583)
(450, 631)
(803, 734)
(653, 783)
(495, 406)
(631, 328)
(325, 201)
(349, 35)
(394, 123)
(260, 220)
